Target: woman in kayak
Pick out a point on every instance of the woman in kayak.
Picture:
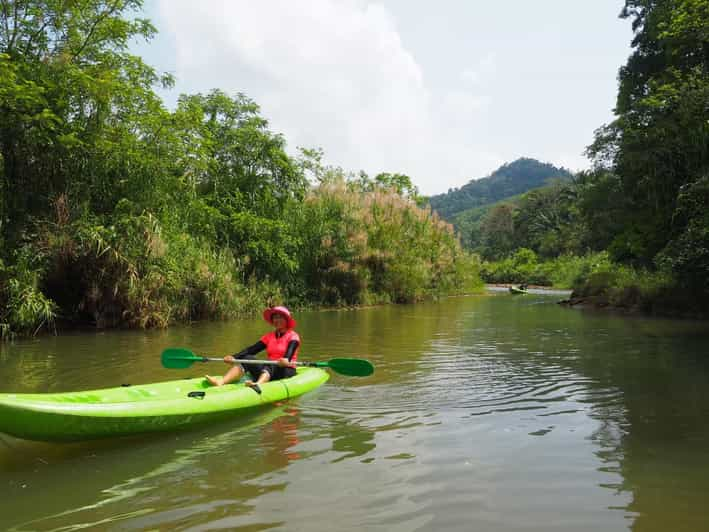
(281, 345)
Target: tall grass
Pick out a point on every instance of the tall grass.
(377, 246)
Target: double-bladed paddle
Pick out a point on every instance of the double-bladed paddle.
(180, 358)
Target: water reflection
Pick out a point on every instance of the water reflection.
(351, 441)
(181, 468)
(279, 437)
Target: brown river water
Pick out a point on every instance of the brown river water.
(487, 413)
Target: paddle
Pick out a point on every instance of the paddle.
(179, 358)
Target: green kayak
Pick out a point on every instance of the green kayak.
(112, 412)
(516, 291)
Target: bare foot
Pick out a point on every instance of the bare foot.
(216, 381)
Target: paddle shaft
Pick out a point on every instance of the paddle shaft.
(251, 361)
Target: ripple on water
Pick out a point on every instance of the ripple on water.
(480, 379)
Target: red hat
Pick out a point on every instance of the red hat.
(283, 311)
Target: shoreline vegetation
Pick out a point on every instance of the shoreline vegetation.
(359, 245)
(117, 212)
(633, 231)
(597, 282)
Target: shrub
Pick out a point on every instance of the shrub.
(369, 246)
(561, 272)
(25, 309)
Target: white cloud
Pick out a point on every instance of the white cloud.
(444, 95)
(480, 73)
(335, 74)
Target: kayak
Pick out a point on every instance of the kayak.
(126, 410)
(516, 291)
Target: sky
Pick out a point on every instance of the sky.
(442, 91)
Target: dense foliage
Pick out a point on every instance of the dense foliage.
(509, 180)
(652, 161)
(657, 149)
(646, 200)
(117, 211)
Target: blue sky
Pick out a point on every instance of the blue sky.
(442, 91)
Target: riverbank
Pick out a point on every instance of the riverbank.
(677, 308)
(639, 292)
(532, 289)
(59, 326)
(594, 281)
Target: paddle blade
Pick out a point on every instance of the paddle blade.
(354, 367)
(178, 358)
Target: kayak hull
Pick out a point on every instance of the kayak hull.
(165, 406)
(517, 291)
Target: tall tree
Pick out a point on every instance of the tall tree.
(70, 95)
(659, 141)
(498, 231)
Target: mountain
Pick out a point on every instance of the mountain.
(508, 180)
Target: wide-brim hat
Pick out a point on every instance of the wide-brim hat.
(283, 311)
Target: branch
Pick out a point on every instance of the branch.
(16, 24)
(98, 20)
(34, 36)
(6, 19)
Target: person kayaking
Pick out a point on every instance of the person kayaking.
(281, 344)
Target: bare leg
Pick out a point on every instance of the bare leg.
(262, 379)
(234, 374)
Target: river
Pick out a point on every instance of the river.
(490, 413)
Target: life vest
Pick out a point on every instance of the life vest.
(276, 347)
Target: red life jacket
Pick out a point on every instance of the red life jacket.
(276, 347)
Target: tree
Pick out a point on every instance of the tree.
(498, 231)
(546, 220)
(245, 182)
(659, 142)
(70, 95)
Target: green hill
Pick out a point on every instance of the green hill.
(509, 180)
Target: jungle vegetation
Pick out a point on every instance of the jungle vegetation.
(116, 211)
